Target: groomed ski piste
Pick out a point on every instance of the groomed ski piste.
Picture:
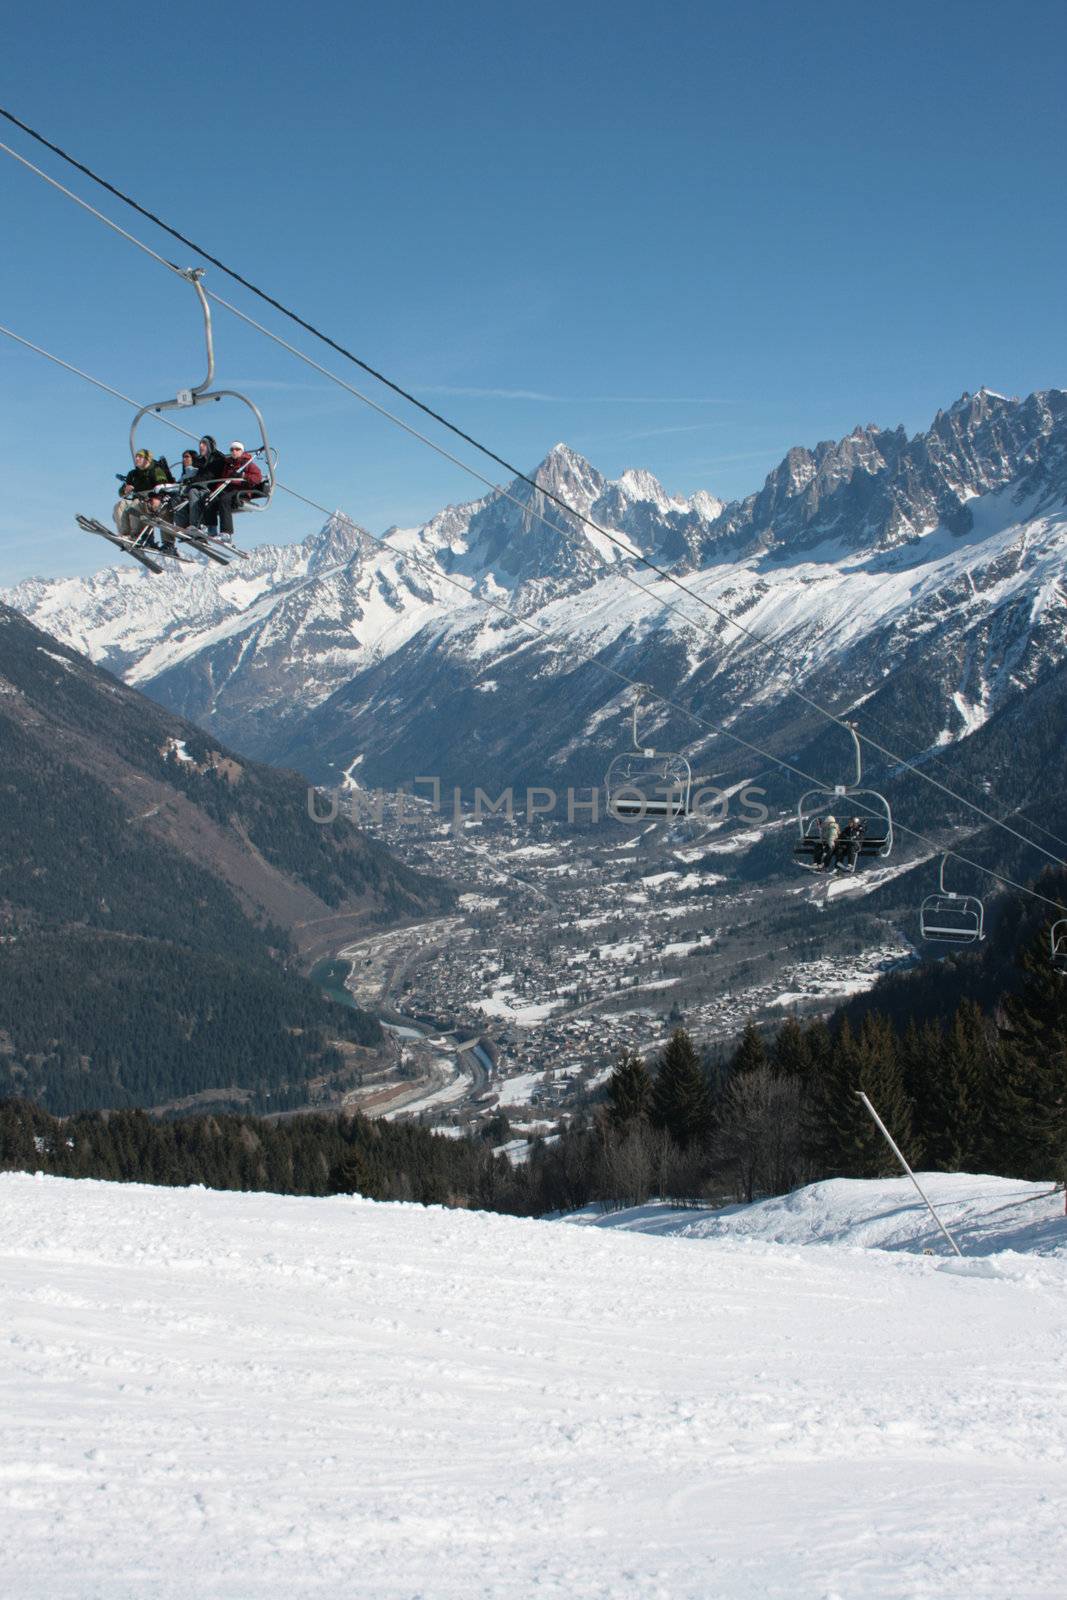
(239, 1396)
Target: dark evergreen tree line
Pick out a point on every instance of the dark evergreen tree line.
(91, 1020)
(310, 1154)
(981, 1091)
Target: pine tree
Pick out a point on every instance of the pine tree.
(680, 1101)
(979, 1102)
(928, 1082)
(629, 1092)
(842, 1139)
(882, 1080)
(791, 1054)
(1034, 1040)
(751, 1053)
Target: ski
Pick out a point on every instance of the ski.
(203, 543)
(90, 525)
(221, 545)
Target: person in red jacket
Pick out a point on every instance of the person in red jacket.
(243, 479)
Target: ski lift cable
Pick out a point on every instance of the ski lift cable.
(628, 550)
(547, 634)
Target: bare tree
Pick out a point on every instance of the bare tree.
(759, 1139)
(627, 1165)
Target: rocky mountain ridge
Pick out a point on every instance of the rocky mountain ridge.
(873, 567)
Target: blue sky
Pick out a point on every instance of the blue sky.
(681, 237)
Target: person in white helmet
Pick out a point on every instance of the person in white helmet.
(243, 479)
(829, 834)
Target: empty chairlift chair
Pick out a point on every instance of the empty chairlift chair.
(876, 818)
(947, 918)
(1058, 941)
(644, 784)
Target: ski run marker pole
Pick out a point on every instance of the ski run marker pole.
(896, 1151)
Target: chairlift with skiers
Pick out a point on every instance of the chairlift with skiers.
(821, 844)
(202, 393)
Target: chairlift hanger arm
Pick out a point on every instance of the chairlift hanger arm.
(859, 754)
(197, 393)
(193, 275)
(640, 749)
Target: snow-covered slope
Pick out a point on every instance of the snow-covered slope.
(256, 1398)
(985, 1216)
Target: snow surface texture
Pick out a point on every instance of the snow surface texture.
(242, 1396)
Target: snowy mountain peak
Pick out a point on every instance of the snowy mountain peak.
(561, 453)
(976, 406)
(638, 485)
(876, 488)
(707, 506)
(570, 476)
(335, 543)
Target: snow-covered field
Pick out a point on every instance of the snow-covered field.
(242, 1396)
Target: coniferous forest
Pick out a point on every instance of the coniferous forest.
(983, 1091)
(149, 887)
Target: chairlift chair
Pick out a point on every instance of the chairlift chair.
(877, 836)
(948, 918)
(1058, 941)
(202, 393)
(644, 784)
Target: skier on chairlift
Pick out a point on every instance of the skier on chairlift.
(848, 845)
(209, 473)
(242, 481)
(829, 834)
(132, 514)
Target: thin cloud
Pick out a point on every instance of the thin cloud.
(489, 394)
(460, 392)
(770, 454)
(278, 385)
(660, 433)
